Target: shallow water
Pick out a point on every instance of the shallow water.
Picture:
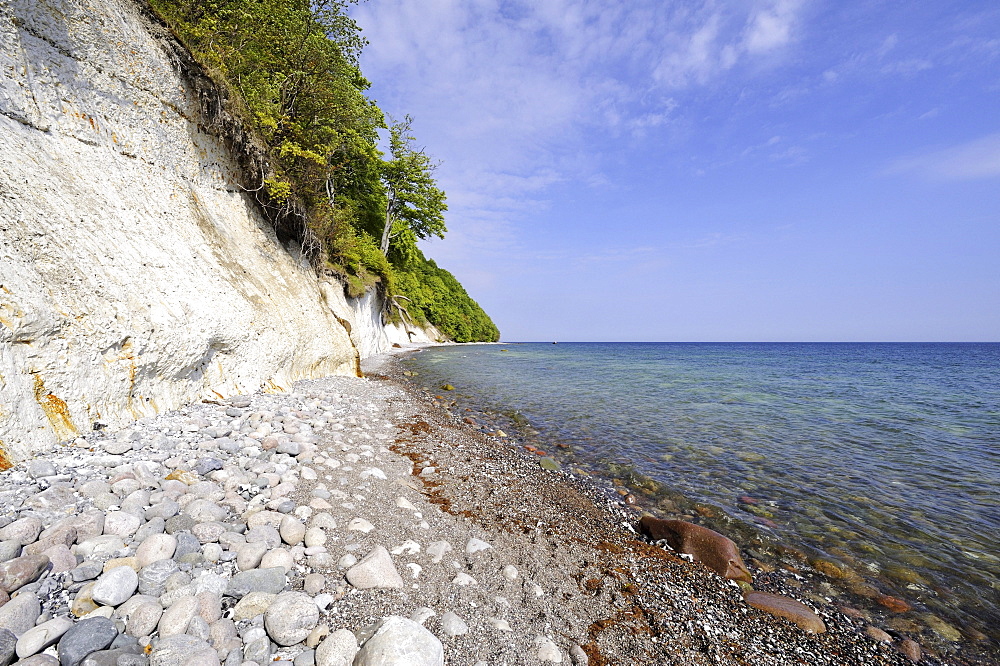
(881, 458)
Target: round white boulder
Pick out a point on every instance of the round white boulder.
(290, 618)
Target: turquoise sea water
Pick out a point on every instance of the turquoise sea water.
(883, 459)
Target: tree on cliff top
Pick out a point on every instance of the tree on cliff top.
(414, 203)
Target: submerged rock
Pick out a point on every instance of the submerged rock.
(548, 463)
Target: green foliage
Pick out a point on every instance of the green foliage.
(294, 65)
(360, 264)
(414, 202)
(435, 296)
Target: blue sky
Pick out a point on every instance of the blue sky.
(696, 171)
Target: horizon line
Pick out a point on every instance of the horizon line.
(750, 342)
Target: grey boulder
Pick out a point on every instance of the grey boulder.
(115, 586)
(256, 580)
(375, 570)
(183, 649)
(400, 642)
(19, 614)
(86, 636)
(338, 649)
(290, 618)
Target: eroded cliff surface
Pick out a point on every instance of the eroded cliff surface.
(136, 274)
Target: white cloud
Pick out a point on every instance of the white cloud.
(907, 67)
(694, 56)
(772, 26)
(713, 239)
(888, 45)
(514, 97)
(974, 160)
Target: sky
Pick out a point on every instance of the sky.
(740, 170)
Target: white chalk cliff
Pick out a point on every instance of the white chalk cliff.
(136, 275)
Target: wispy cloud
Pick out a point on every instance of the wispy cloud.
(974, 160)
(772, 26)
(511, 95)
(711, 40)
(713, 239)
(907, 66)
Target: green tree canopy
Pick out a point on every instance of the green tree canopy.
(413, 200)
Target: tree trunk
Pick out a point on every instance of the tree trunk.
(331, 192)
(387, 231)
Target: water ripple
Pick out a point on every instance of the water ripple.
(885, 453)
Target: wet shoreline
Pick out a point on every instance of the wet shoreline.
(889, 608)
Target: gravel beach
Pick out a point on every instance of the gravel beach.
(352, 521)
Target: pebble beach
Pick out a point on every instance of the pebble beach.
(354, 521)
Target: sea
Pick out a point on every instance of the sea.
(877, 464)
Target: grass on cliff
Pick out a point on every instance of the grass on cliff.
(293, 72)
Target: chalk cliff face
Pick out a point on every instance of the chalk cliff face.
(136, 275)
(364, 320)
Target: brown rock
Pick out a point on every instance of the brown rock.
(64, 536)
(850, 611)
(910, 648)
(878, 634)
(764, 566)
(22, 531)
(184, 476)
(61, 557)
(88, 524)
(895, 604)
(20, 571)
(131, 562)
(788, 608)
(84, 601)
(715, 551)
